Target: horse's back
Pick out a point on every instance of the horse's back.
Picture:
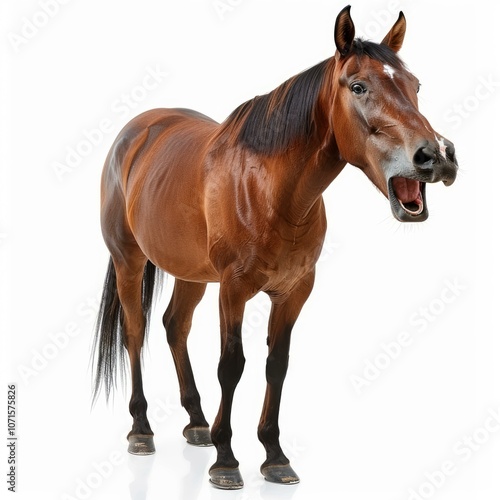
(155, 172)
(141, 135)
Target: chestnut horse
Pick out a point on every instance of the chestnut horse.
(240, 203)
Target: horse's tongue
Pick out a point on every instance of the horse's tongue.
(407, 190)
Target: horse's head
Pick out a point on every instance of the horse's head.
(377, 124)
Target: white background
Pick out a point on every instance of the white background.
(374, 281)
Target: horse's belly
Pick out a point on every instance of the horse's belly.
(168, 223)
(178, 247)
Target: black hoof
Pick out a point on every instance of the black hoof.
(141, 444)
(226, 479)
(198, 436)
(282, 474)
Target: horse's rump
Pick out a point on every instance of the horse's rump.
(155, 173)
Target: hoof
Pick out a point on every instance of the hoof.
(282, 474)
(198, 436)
(141, 444)
(226, 479)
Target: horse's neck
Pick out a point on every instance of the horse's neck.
(301, 178)
(317, 161)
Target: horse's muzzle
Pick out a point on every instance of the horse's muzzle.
(435, 162)
(445, 171)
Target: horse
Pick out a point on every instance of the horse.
(240, 203)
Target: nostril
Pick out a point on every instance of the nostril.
(450, 151)
(424, 157)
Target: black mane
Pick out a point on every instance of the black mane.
(270, 123)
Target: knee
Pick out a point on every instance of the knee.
(276, 368)
(231, 367)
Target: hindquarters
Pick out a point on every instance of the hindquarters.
(153, 191)
(131, 276)
(151, 219)
(151, 188)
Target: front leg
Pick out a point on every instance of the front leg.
(284, 313)
(225, 473)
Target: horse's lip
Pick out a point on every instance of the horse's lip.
(407, 214)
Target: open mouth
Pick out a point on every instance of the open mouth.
(407, 198)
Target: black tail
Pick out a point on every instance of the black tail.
(108, 343)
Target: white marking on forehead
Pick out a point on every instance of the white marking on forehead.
(442, 146)
(389, 70)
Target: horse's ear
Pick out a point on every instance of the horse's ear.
(394, 39)
(344, 31)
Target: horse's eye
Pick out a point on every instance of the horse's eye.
(418, 88)
(358, 88)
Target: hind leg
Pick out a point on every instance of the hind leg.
(177, 320)
(129, 275)
(129, 263)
